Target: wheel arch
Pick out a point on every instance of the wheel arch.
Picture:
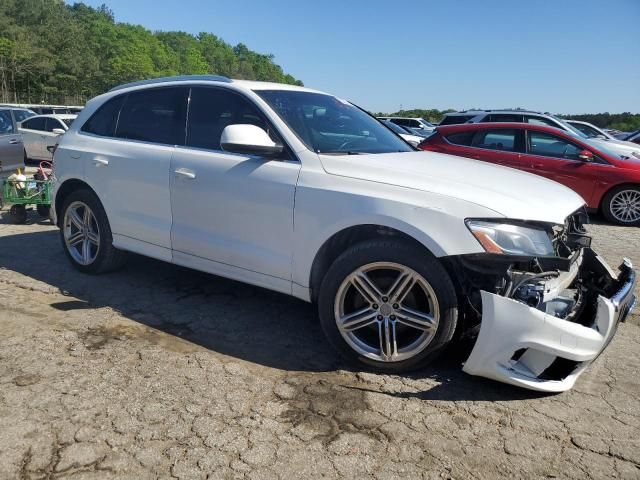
(67, 188)
(340, 241)
(635, 185)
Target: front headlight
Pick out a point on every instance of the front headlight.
(508, 239)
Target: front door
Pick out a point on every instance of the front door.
(236, 211)
(556, 158)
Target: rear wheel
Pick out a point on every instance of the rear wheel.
(389, 305)
(86, 234)
(622, 205)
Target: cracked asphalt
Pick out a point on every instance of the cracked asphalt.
(160, 372)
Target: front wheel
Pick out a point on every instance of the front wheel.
(86, 234)
(622, 205)
(389, 305)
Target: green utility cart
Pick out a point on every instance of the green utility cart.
(22, 194)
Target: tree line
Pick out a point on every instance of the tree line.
(625, 122)
(52, 52)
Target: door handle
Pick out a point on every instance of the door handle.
(537, 165)
(184, 172)
(14, 141)
(100, 162)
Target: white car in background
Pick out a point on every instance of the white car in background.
(42, 131)
(412, 123)
(406, 134)
(301, 192)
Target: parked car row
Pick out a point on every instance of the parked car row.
(301, 192)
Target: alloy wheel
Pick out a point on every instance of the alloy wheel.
(625, 206)
(81, 233)
(386, 311)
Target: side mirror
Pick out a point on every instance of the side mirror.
(58, 131)
(585, 156)
(248, 139)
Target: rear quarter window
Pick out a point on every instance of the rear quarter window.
(461, 138)
(103, 121)
(456, 119)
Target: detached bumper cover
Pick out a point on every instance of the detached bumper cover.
(524, 346)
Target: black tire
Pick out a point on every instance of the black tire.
(403, 253)
(18, 214)
(43, 210)
(108, 258)
(606, 205)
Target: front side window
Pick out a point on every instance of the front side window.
(35, 124)
(6, 122)
(154, 115)
(326, 124)
(499, 139)
(213, 109)
(53, 123)
(547, 145)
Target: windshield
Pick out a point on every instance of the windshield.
(571, 128)
(600, 146)
(427, 124)
(329, 125)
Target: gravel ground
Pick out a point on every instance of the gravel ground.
(160, 372)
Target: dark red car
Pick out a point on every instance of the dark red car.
(606, 180)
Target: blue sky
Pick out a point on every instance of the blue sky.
(562, 56)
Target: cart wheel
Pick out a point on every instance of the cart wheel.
(18, 214)
(43, 210)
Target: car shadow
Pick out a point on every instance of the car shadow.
(224, 316)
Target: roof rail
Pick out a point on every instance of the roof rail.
(178, 78)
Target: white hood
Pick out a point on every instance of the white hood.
(509, 192)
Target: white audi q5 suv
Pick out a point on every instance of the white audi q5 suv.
(304, 193)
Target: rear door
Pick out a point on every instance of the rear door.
(556, 158)
(11, 149)
(127, 148)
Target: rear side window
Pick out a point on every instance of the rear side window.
(456, 119)
(500, 139)
(503, 117)
(156, 115)
(103, 121)
(34, 124)
(6, 122)
(462, 138)
(213, 109)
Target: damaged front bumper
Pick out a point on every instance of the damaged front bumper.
(532, 347)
